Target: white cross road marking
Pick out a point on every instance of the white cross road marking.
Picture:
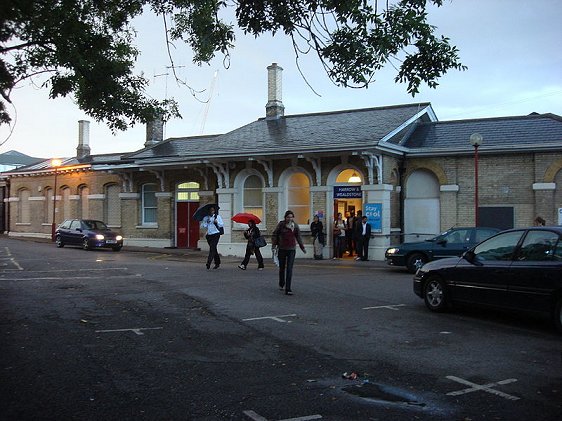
(136, 330)
(257, 417)
(390, 307)
(276, 318)
(484, 387)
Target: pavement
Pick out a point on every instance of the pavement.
(201, 255)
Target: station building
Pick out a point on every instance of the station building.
(411, 174)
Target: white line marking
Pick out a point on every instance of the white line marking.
(55, 278)
(257, 417)
(136, 330)
(484, 387)
(276, 318)
(389, 307)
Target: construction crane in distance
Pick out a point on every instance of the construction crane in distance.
(208, 102)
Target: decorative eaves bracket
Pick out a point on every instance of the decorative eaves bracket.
(372, 161)
(317, 168)
(204, 176)
(222, 172)
(160, 176)
(268, 169)
(126, 181)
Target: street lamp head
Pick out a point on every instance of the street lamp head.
(476, 139)
(56, 162)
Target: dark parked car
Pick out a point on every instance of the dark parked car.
(87, 233)
(453, 242)
(518, 269)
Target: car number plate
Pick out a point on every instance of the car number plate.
(111, 242)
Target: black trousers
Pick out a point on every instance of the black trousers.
(213, 241)
(363, 248)
(286, 262)
(249, 249)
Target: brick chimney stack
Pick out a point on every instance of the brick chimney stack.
(154, 132)
(274, 108)
(83, 149)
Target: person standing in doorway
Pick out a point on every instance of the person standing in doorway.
(285, 238)
(214, 225)
(317, 232)
(251, 234)
(357, 230)
(363, 239)
(339, 237)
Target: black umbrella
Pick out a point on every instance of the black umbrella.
(203, 211)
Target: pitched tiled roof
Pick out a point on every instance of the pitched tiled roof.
(523, 132)
(338, 130)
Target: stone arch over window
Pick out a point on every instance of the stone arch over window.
(552, 170)
(340, 174)
(249, 196)
(187, 191)
(422, 204)
(149, 204)
(436, 169)
(112, 205)
(296, 182)
(24, 210)
(83, 202)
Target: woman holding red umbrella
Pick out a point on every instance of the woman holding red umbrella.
(251, 234)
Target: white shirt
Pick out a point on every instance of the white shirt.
(209, 223)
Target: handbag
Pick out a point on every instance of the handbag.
(221, 230)
(260, 242)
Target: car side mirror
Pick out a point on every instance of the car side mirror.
(469, 256)
(79, 229)
(442, 242)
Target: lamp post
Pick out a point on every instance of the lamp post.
(476, 140)
(55, 163)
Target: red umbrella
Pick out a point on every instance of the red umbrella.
(245, 217)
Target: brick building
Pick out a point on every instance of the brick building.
(417, 176)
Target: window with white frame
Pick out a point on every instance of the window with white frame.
(112, 205)
(187, 192)
(24, 214)
(298, 197)
(253, 196)
(149, 204)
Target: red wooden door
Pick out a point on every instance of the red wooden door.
(187, 228)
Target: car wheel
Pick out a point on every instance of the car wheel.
(435, 294)
(415, 261)
(59, 241)
(85, 244)
(118, 248)
(557, 316)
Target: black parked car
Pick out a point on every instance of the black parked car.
(518, 269)
(87, 233)
(453, 242)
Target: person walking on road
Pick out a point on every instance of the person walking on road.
(251, 234)
(215, 226)
(285, 238)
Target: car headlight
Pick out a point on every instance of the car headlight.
(118, 238)
(393, 250)
(99, 237)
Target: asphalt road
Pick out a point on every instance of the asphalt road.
(90, 335)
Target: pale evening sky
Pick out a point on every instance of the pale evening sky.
(511, 47)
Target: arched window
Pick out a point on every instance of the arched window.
(24, 214)
(253, 196)
(48, 208)
(84, 206)
(66, 209)
(112, 206)
(187, 192)
(298, 197)
(149, 204)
